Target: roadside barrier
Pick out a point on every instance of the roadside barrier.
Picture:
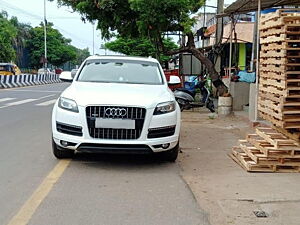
(11, 81)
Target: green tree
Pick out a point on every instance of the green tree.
(7, 35)
(59, 49)
(147, 19)
(19, 41)
(81, 55)
(139, 47)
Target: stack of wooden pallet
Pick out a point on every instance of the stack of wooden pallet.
(279, 89)
(267, 151)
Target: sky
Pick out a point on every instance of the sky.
(66, 21)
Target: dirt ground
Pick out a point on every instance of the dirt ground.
(223, 189)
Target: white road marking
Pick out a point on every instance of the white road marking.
(50, 102)
(24, 101)
(20, 102)
(33, 91)
(6, 99)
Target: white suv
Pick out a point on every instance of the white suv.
(117, 104)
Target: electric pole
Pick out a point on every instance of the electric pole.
(219, 32)
(45, 39)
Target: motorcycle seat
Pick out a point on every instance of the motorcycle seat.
(186, 91)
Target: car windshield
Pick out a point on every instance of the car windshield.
(121, 71)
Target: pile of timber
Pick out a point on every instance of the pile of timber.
(279, 83)
(267, 150)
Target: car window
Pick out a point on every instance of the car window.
(121, 71)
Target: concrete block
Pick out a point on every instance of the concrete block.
(252, 101)
(240, 95)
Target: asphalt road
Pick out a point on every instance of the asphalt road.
(37, 189)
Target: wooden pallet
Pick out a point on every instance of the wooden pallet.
(293, 134)
(280, 30)
(248, 164)
(289, 45)
(280, 13)
(277, 53)
(292, 19)
(267, 151)
(284, 37)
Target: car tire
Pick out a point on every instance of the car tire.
(61, 153)
(171, 155)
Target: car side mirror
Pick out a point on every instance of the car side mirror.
(174, 80)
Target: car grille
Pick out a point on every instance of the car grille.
(161, 132)
(133, 113)
(69, 129)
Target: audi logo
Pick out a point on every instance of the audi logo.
(115, 112)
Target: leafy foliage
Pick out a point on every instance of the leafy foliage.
(7, 35)
(139, 47)
(81, 55)
(23, 34)
(146, 19)
(136, 18)
(58, 47)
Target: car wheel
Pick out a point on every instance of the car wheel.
(171, 155)
(61, 153)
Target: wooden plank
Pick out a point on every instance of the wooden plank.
(276, 61)
(276, 138)
(282, 84)
(247, 163)
(273, 53)
(273, 75)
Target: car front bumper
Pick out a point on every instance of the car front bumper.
(143, 144)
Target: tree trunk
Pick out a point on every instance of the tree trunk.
(214, 75)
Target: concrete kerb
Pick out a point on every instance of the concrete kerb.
(11, 81)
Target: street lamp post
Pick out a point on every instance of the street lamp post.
(45, 39)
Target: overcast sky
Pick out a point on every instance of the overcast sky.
(66, 21)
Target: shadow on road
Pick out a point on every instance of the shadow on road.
(120, 161)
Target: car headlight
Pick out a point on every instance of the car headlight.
(164, 107)
(68, 104)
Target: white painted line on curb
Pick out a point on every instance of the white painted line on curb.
(50, 102)
(6, 99)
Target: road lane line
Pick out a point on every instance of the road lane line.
(36, 91)
(31, 205)
(6, 99)
(50, 102)
(24, 101)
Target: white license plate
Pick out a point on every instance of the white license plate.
(115, 123)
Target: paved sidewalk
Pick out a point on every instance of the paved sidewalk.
(224, 190)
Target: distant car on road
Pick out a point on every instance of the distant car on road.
(117, 104)
(66, 76)
(42, 71)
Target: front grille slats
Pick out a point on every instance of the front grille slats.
(133, 113)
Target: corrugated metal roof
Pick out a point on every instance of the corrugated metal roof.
(245, 6)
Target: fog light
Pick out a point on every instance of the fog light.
(165, 146)
(64, 143)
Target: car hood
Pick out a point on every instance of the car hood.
(87, 93)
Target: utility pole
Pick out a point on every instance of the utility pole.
(219, 32)
(45, 39)
(93, 39)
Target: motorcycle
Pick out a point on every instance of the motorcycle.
(186, 96)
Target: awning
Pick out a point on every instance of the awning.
(245, 6)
